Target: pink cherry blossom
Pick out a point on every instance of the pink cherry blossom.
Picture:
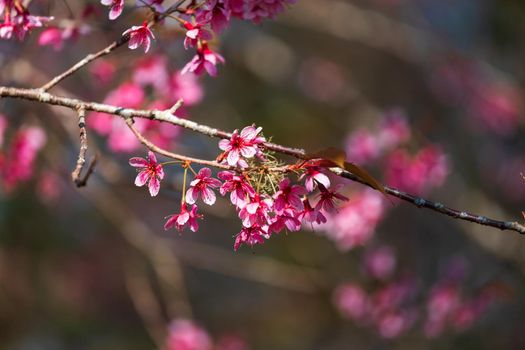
(150, 172)
(186, 87)
(354, 224)
(139, 36)
(195, 33)
(184, 218)
(116, 7)
(311, 215)
(250, 236)
(362, 146)
(257, 212)
(328, 199)
(185, 335)
(312, 175)
(380, 262)
(288, 196)
(243, 145)
(351, 301)
(286, 218)
(215, 12)
(201, 187)
(152, 70)
(204, 60)
(51, 37)
(18, 165)
(240, 189)
(419, 173)
(103, 70)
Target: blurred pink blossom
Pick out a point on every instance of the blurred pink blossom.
(419, 173)
(19, 162)
(103, 70)
(351, 301)
(354, 224)
(185, 335)
(380, 262)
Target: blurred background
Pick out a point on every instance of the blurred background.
(425, 94)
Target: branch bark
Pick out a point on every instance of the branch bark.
(166, 116)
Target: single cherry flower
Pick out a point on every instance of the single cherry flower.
(116, 7)
(287, 218)
(245, 145)
(240, 189)
(256, 212)
(313, 174)
(288, 196)
(139, 36)
(204, 60)
(184, 217)
(311, 215)
(200, 186)
(327, 198)
(151, 172)
(250, 236)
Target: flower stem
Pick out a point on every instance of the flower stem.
(183, 199)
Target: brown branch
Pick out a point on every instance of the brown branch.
(75, 174)
(166, 116)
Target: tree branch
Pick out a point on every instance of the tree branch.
(166, 116)
(75, 174)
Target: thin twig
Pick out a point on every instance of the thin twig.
(75, 175)
(169, 154)
(106, 51)
(166, 116)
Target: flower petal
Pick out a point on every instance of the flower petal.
(154, 186)
(138, 162)
(142, 178)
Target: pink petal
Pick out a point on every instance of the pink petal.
(248, 152)
(233, 157)
(322, 178)
(142, 178)
(152, 158)
(224, 144)
(208, 196)
(138, 162)
(154, 186)
(183, 218)
(171, 222)
(249, 132)
(192, 33)
(191, 195)
(160, 172)
(205, 172)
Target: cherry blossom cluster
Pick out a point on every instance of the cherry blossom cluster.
(153, 84)
(199, 23)
(267, 201)
(186, 335)
(398, 304)
(17, 20)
